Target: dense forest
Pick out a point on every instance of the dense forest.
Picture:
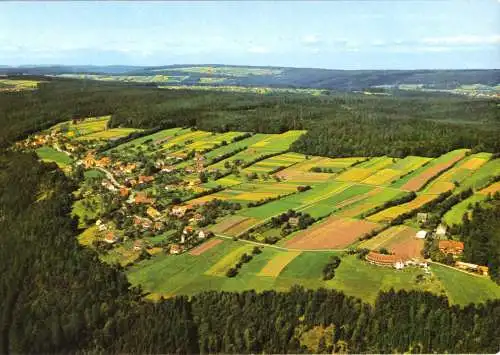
(337, 124)
(56, 296)
(481, 236)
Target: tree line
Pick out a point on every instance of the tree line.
(339, 124)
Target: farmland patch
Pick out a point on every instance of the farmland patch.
(336, 232)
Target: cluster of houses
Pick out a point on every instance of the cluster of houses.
(453, 247)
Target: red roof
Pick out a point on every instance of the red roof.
(451, 245)
(381, 258)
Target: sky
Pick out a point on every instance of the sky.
(397, 34)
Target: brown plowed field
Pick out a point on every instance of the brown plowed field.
(417, 182)
(200, 249)
(335, 232)
(399, 240)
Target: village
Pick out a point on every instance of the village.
(157, 196)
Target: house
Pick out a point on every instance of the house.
(187, 230)
(110, 238)
(441, 230)
(142, 198)
(167, 169)
(422, 217)
(124, 192)
(198, 217)
(102, 227)
(129, 168)
(384, 260)
(421, 234)
(293, 221)
(143, 179)
(451, 247)
(179, 211)
(153, 213)
(108, 185)
(103, 162)
(89, 161)
(202, 234)
(158, 225)
(145, 223)
(138, 245)
(175, 249)
(483, 270)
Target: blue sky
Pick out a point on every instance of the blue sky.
(398, 34)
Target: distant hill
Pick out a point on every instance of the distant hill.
(225, 75)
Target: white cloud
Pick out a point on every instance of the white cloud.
(461, 40)
(310, 39)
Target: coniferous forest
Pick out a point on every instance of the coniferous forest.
(57, 296)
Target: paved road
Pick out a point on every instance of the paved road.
(110, 177)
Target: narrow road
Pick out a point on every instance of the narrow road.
(278, 247)
(110, 177)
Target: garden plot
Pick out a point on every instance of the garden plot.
(109, 134)
(392, 212)
(454, 176)
(482, 176)
(269, 144)
(155, 138)
(234, 225)
(274, 267)
(269, 165)
(416, 180)
(334, 233)
(203, 248)
(364, 206)
(82, 128)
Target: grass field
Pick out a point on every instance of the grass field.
(228, 261)
(187, 274)
(455, 214)
(49, 154)
(79, 210)
(481, 176)
(462, 288)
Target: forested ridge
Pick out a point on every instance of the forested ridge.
(337, 124)
(57, 296)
